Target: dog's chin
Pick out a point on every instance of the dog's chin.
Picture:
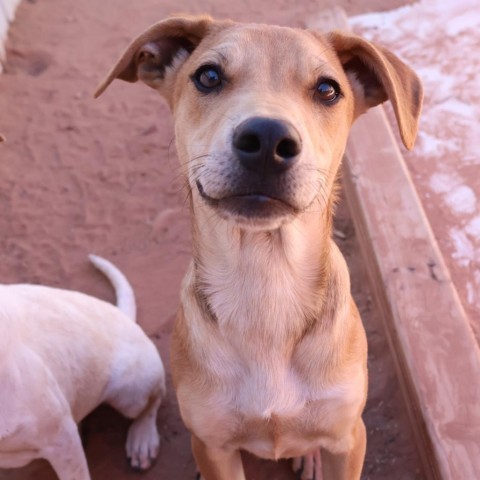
(253, 211)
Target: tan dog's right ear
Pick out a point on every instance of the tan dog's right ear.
(383, 76)
(2, 138)
(147, 57)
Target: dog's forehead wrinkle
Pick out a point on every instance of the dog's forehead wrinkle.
(324, 68)
(254, 43)
(219, 53)
(212, 57)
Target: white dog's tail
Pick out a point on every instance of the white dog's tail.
(123, 289)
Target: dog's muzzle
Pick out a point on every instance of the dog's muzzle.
(265, 149)
(266, 146)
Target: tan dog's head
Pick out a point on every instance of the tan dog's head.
(262, 113)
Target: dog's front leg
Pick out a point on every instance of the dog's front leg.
(216, 463)
(347, 465)
(309, 467)
(65, 452)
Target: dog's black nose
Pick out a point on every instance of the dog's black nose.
(266, 145)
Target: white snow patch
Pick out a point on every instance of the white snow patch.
(473, 227)
(443, 182)
(456, 106)
(440, 40)
(462, 23)
(461, 199)
(432, 145)
(464, 250)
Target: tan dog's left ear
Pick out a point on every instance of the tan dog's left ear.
(153, 51)
(382, 76)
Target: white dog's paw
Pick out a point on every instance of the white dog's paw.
(308, 467)
(143, 443)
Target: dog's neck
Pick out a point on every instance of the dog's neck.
(263, 284)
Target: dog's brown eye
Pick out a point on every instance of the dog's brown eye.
(207, 78)
(328, 91)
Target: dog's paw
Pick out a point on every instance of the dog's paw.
(308, 467)
(143, 443)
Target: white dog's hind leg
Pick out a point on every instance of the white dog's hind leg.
(143, 440)
(136, 391)
(65, 452)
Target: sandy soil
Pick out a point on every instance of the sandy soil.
(80, 176)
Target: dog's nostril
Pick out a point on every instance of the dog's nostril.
(287, 148)
(248, 143)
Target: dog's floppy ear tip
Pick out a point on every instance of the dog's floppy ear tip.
(98, 91)
(410, 119)
(383, 76)
(409, 139)
(2, 138)
(104, 84)
(145, 48)
(101, 87)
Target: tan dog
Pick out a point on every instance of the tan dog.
(62, 354)
(269, 352)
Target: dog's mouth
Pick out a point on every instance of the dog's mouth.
(250, 205)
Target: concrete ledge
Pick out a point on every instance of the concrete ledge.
(436, 355)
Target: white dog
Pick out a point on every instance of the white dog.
(62, 354)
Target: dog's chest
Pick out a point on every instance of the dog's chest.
(273, 412)
(262, 399)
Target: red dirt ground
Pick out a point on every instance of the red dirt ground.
(80, 176)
